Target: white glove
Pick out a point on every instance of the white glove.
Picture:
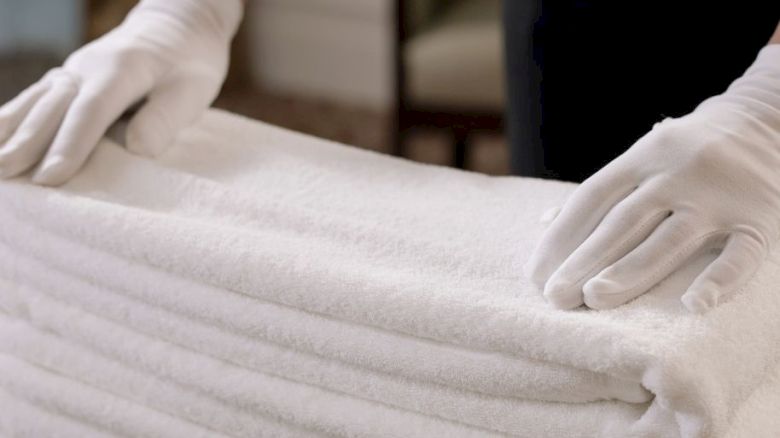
(173, 52)
(708, 180)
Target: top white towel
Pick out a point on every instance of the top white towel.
(413, 249)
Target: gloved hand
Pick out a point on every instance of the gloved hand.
(708, 180)
(172, 52)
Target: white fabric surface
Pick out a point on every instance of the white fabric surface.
(256, 281)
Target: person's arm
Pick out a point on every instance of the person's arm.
(170, 55)
(708, 180)
(776, 37)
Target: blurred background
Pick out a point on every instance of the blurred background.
(417, 78)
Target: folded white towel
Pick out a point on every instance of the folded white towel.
(22, 419)
(283, 280)
(171, 363)
(385, 351)
(96, 409)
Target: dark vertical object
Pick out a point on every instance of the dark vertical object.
(523, 81)
(461, 147)
(398, 125)
(459, 121)
(587, 78)
(239, 76)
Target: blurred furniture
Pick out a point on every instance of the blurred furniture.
(333, 50)
(449, 69)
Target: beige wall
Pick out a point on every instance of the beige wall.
(337, 50)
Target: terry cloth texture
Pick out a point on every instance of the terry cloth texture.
(257, 282)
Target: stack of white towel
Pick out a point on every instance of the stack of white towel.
(256, 282)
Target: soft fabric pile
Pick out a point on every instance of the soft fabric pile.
(256, 282)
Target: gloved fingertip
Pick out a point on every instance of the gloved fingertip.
(7, 169)
(699, 301)
(602, 285)
(561, 295)
(532, 272)
(146, 141)
(5, 154)
(527, 269)
(134, 142)
(54, 171)
(696, 303)
(601, 293)
(549, 216)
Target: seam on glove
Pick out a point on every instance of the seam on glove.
(686, 251)
(620, 247)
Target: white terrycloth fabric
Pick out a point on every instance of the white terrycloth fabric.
(256, 282)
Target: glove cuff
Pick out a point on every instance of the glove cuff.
(768, 60)
(755, 95)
